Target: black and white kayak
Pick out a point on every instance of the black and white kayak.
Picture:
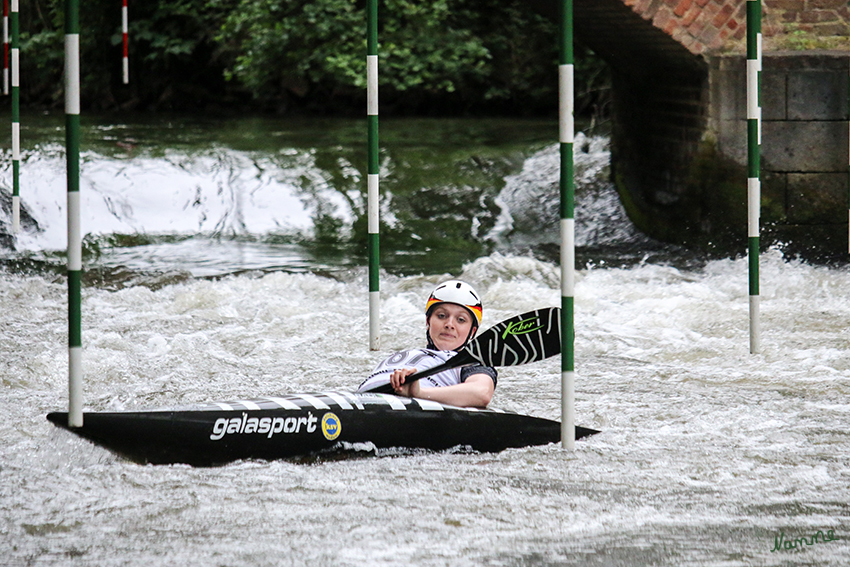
(307, 424)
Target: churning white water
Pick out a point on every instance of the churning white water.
(708, 455)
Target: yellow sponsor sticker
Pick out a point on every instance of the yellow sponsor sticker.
(331, 426)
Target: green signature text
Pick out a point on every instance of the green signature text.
(781, 544)
(522, 327)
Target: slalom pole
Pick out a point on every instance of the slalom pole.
(5, 47)
(16, 120)
(754, 61)
(373, 173)
(566, 88)
(75, 256)
(848, 159)
(124, 28)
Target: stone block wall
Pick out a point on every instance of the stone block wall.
(804, 153)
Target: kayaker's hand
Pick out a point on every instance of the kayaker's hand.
(397, 379)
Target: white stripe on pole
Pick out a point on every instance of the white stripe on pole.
(372, 205)
(75, 387)
(72, 74)
(374, 320)
(75, 242)
(753, 112)
(755, 324)
(372, 85)
(568, 257)
(566, 114)
(568, 411)
(753, 208)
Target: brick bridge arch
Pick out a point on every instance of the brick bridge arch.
(678, 140)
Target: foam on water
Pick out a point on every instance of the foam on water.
(220, 192)
(707, 452)
(530, 200)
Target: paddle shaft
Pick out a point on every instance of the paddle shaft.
(459, 359)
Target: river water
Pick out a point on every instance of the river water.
(222, 263)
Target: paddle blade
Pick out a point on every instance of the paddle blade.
(526, 338)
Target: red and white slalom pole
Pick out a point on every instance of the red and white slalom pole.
(124, 27)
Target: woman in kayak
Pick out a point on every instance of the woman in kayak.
(452, 317)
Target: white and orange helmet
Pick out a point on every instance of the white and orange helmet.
(459, 293)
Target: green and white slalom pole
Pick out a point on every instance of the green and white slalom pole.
(75, 255)
(125, 61)
(16, 118)
(373, 173)
(566, 88)
(754, 62)
(5, 47)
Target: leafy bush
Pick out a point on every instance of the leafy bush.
(440, 56)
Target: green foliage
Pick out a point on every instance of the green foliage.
(801, 40)
(471, 50)
(443, 56)
(299, 47)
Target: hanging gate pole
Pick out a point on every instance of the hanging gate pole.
(16, 120)
(373, 172)
(75, 263)
(566, 90)
(754, 62)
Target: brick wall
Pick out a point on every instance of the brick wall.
(717, 26)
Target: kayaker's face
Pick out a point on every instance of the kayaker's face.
(449, 326)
